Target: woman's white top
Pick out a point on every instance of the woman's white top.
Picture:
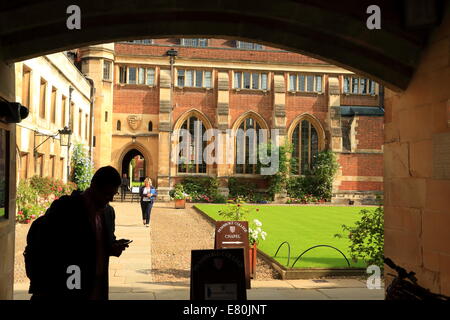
(145, 192)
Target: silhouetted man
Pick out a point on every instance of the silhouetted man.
(76, 239)
(124, 186)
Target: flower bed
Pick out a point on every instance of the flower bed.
(35, 195)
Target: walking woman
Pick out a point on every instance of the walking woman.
(148, 194)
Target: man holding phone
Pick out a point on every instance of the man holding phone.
(76, 233)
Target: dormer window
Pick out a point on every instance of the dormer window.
(248, 45)
(194, 42)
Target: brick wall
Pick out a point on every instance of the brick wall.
(135, 99)
(359, 100)
(359, 164)
(201, 99)
(299, 103)
(369, 133)
(257, 101)
(221, 54)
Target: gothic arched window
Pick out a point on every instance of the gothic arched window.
(192, 146)
(247, 142)
(305, 143)
(119, 125)
(150, 126)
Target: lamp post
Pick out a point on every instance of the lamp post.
(64, 140)
(172, 53)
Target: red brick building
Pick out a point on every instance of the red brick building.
(143, 97)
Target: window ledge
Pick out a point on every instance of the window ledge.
(107, 80)
(136, 85)
(307, 92)
(247, 175)
(361, 94)
(200, 88)
(251, 90)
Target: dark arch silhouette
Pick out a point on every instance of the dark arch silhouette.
(333, 31)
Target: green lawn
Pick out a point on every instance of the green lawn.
(303, 227)
(2, 212)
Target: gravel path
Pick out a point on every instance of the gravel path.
(174, 233)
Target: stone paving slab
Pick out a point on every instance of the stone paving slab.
(132, 296)
(274, 284)
(330, 283)
(285, 294)
(354, 294)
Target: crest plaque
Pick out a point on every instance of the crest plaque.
(134, 121)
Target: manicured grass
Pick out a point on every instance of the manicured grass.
(303, 227)
(2, 212)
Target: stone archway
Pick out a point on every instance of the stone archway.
(131, 151)
(134, 165)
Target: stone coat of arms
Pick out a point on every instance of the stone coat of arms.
(134, 121)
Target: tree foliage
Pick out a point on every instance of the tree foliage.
(82, 168)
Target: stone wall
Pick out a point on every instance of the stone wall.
(417, 168)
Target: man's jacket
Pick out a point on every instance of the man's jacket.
(69, 240)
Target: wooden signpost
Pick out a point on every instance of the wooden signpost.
(234, 234)
(218, 274)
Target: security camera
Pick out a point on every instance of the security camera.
(12, 112)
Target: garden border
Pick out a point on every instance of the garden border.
(296, 273)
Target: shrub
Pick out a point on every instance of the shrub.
(219, 198)
(42, 185)
(367, 237)
(321, 178)
(82, 168)
(318, 182)
(279, 180)
(239, 188)
(178, 193)
(200, 188)
(25, 195)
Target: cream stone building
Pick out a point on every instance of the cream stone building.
(57, 95)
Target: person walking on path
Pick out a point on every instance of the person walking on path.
(148, 194)
(124, 186)
(68, 249)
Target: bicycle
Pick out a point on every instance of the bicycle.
(405, 287)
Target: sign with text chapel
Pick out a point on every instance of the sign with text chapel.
(234, 234)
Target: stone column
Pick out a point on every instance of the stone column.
(92, 66)
(223, 118)
(279, 119)
(7, 226)
(334, 121)
(165, 166)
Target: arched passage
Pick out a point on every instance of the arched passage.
(138, 155)
(324, 30)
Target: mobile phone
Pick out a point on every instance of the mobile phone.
(127, 241)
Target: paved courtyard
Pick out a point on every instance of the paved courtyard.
(131, 274)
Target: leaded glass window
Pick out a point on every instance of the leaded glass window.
(305, 141)
(190, 156)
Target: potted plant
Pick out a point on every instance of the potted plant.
(179, 196)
